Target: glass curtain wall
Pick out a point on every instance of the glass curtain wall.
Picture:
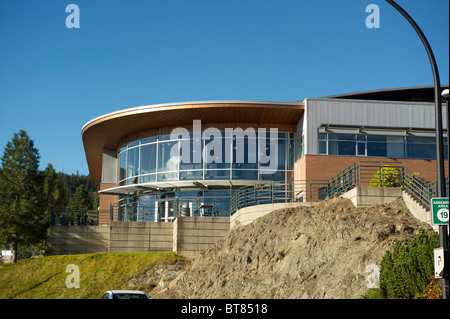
(418, 147)
(158, 159)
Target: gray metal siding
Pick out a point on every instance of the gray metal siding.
(365, 113)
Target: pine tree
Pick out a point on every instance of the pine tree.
(54, 196)
(21, 204)
(54, 192)
(81, 200)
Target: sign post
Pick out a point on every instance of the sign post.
(438, 262)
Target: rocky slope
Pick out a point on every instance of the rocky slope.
(315, 252)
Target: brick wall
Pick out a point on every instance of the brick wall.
(322, 167)
(104, 205)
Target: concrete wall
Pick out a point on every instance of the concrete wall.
(194, 234)
(186, 236)
(65, 240)
(140, 236)
(247, 215)
(368, 196)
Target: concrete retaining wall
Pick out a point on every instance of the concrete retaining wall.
(65, 240)
(186, 236)
(194, 234)
(247, 215)
(368, 196)
(140, 236)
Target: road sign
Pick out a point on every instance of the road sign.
(439, 211)
(438, 262)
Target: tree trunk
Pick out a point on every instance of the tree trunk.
(14, 252)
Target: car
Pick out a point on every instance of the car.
(124, 294)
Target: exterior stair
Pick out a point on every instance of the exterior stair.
(417, 209)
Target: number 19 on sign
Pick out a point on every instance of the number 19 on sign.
(439, 211)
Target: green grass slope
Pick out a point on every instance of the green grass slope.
(45, 278)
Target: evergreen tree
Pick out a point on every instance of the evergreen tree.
(21, 203)
(54, 192)
(406, 271)
(81, 200)
(54, 196)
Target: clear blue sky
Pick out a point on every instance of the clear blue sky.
(132, 53)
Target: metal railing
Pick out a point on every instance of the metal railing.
(383, 174)
(74, 218)
(277, 192)
(365, 173)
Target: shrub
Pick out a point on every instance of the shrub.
(432, 291)
(387, 176)
(406, 271)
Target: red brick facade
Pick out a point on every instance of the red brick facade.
(105, 202)
(323, 167)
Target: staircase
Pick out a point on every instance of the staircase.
(416, 193)
(417, 209)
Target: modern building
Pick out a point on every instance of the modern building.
(160, 161)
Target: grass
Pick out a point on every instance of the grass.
(45, 277)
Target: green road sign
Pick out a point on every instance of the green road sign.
(439, 211)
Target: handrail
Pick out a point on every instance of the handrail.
(364, 173)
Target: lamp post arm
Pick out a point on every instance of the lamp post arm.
(440, 171)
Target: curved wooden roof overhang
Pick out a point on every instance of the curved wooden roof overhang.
(107, 132)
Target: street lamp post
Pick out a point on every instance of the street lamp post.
(445, 98)
(440, 170)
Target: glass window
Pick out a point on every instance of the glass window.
(322, 147)
(341, 148)
(341, 137)
(217, 174)
(427, 151)
(216, 158)
(245, 152)
(172, 176)
(133, 162)
(123, 166)
(191, 175)
(290, 151)
(376, 149)
(273, 146)
(245, 174)
(148, 140)
(396, 150)
(376, 138)
(195, 161)
(277, 176)
(164, 137)
(148, 158)
(299, 146)
(167, 156)
(281, 154)
(133, 144)
(361, 149)
(148, 178)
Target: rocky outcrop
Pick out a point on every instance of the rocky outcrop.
(326, 251)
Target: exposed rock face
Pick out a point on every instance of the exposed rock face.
(306, 252)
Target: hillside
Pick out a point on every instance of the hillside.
(309, 253)
(45, 277)
(318, 252)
